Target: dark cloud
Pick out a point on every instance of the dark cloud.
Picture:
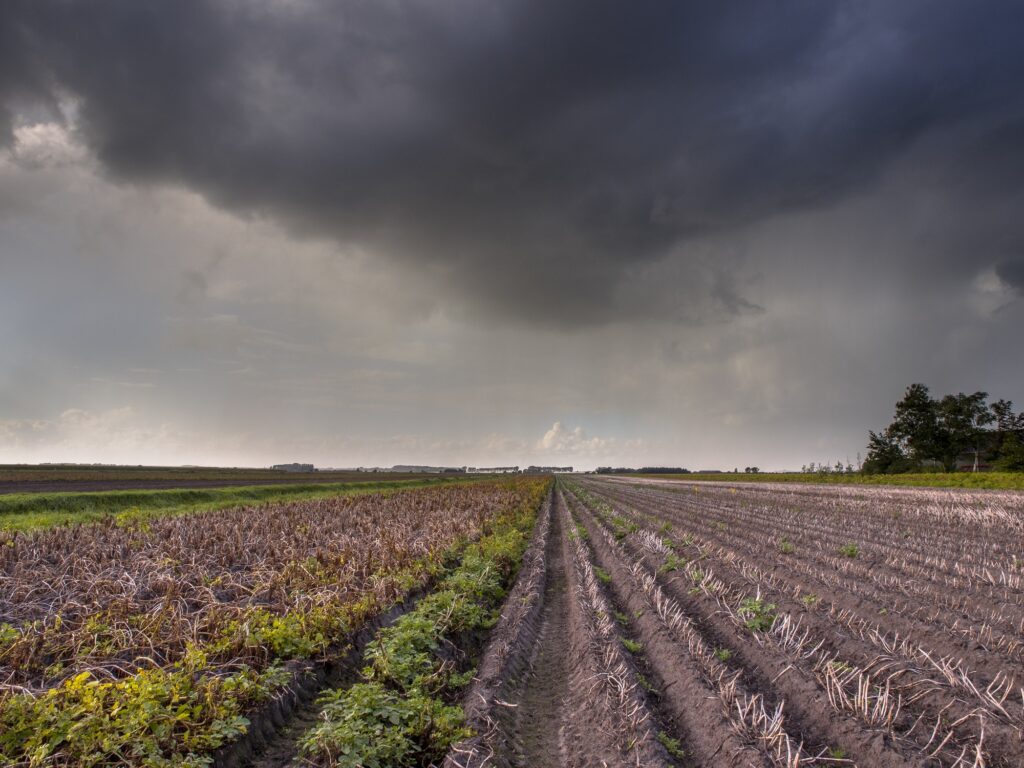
(1011, 272)
(528, 153)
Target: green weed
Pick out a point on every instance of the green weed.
(757, 614)
(632, 645)
(672, 746)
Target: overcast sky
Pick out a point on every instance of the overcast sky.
(501, 231)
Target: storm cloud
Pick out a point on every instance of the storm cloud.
(680, 179)
(499, 142)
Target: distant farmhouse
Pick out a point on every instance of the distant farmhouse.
(294, 467)
(492, 470)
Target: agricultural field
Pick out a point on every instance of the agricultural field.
(585, 621)
(66, 478)
(757, 626)
(174, 641)
(29, 511)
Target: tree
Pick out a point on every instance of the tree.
(963, 421)
(1005, 420)
(884, 455)
(1009, 434)
(916, 425)
(941, 431)
(1011, 455)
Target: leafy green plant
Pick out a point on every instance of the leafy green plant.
(672, 563)
(810, 599)
(723, 654)
(757, 614)
(787, 547)
(158, 717)
(603, 575)
(370, 726)
(849, 550)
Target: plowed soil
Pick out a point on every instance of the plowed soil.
(540, 706)
(765, 627)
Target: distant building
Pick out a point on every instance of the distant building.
(294, 467)
(547, 470)
(424, 469)
(492, 470)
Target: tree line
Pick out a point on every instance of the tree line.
(952, 432)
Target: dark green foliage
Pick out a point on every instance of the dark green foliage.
(374, 727)
(943, 432)
(885, 456)
(1011, 458)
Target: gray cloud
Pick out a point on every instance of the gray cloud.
(1011, 272)
(529, 154)
(366, 232)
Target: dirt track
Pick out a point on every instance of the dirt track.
(541, 703)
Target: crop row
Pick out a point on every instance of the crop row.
(147, 642)
(402, 711)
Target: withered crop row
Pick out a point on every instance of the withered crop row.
(763, 578)
(872, 554)
(145, 643)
